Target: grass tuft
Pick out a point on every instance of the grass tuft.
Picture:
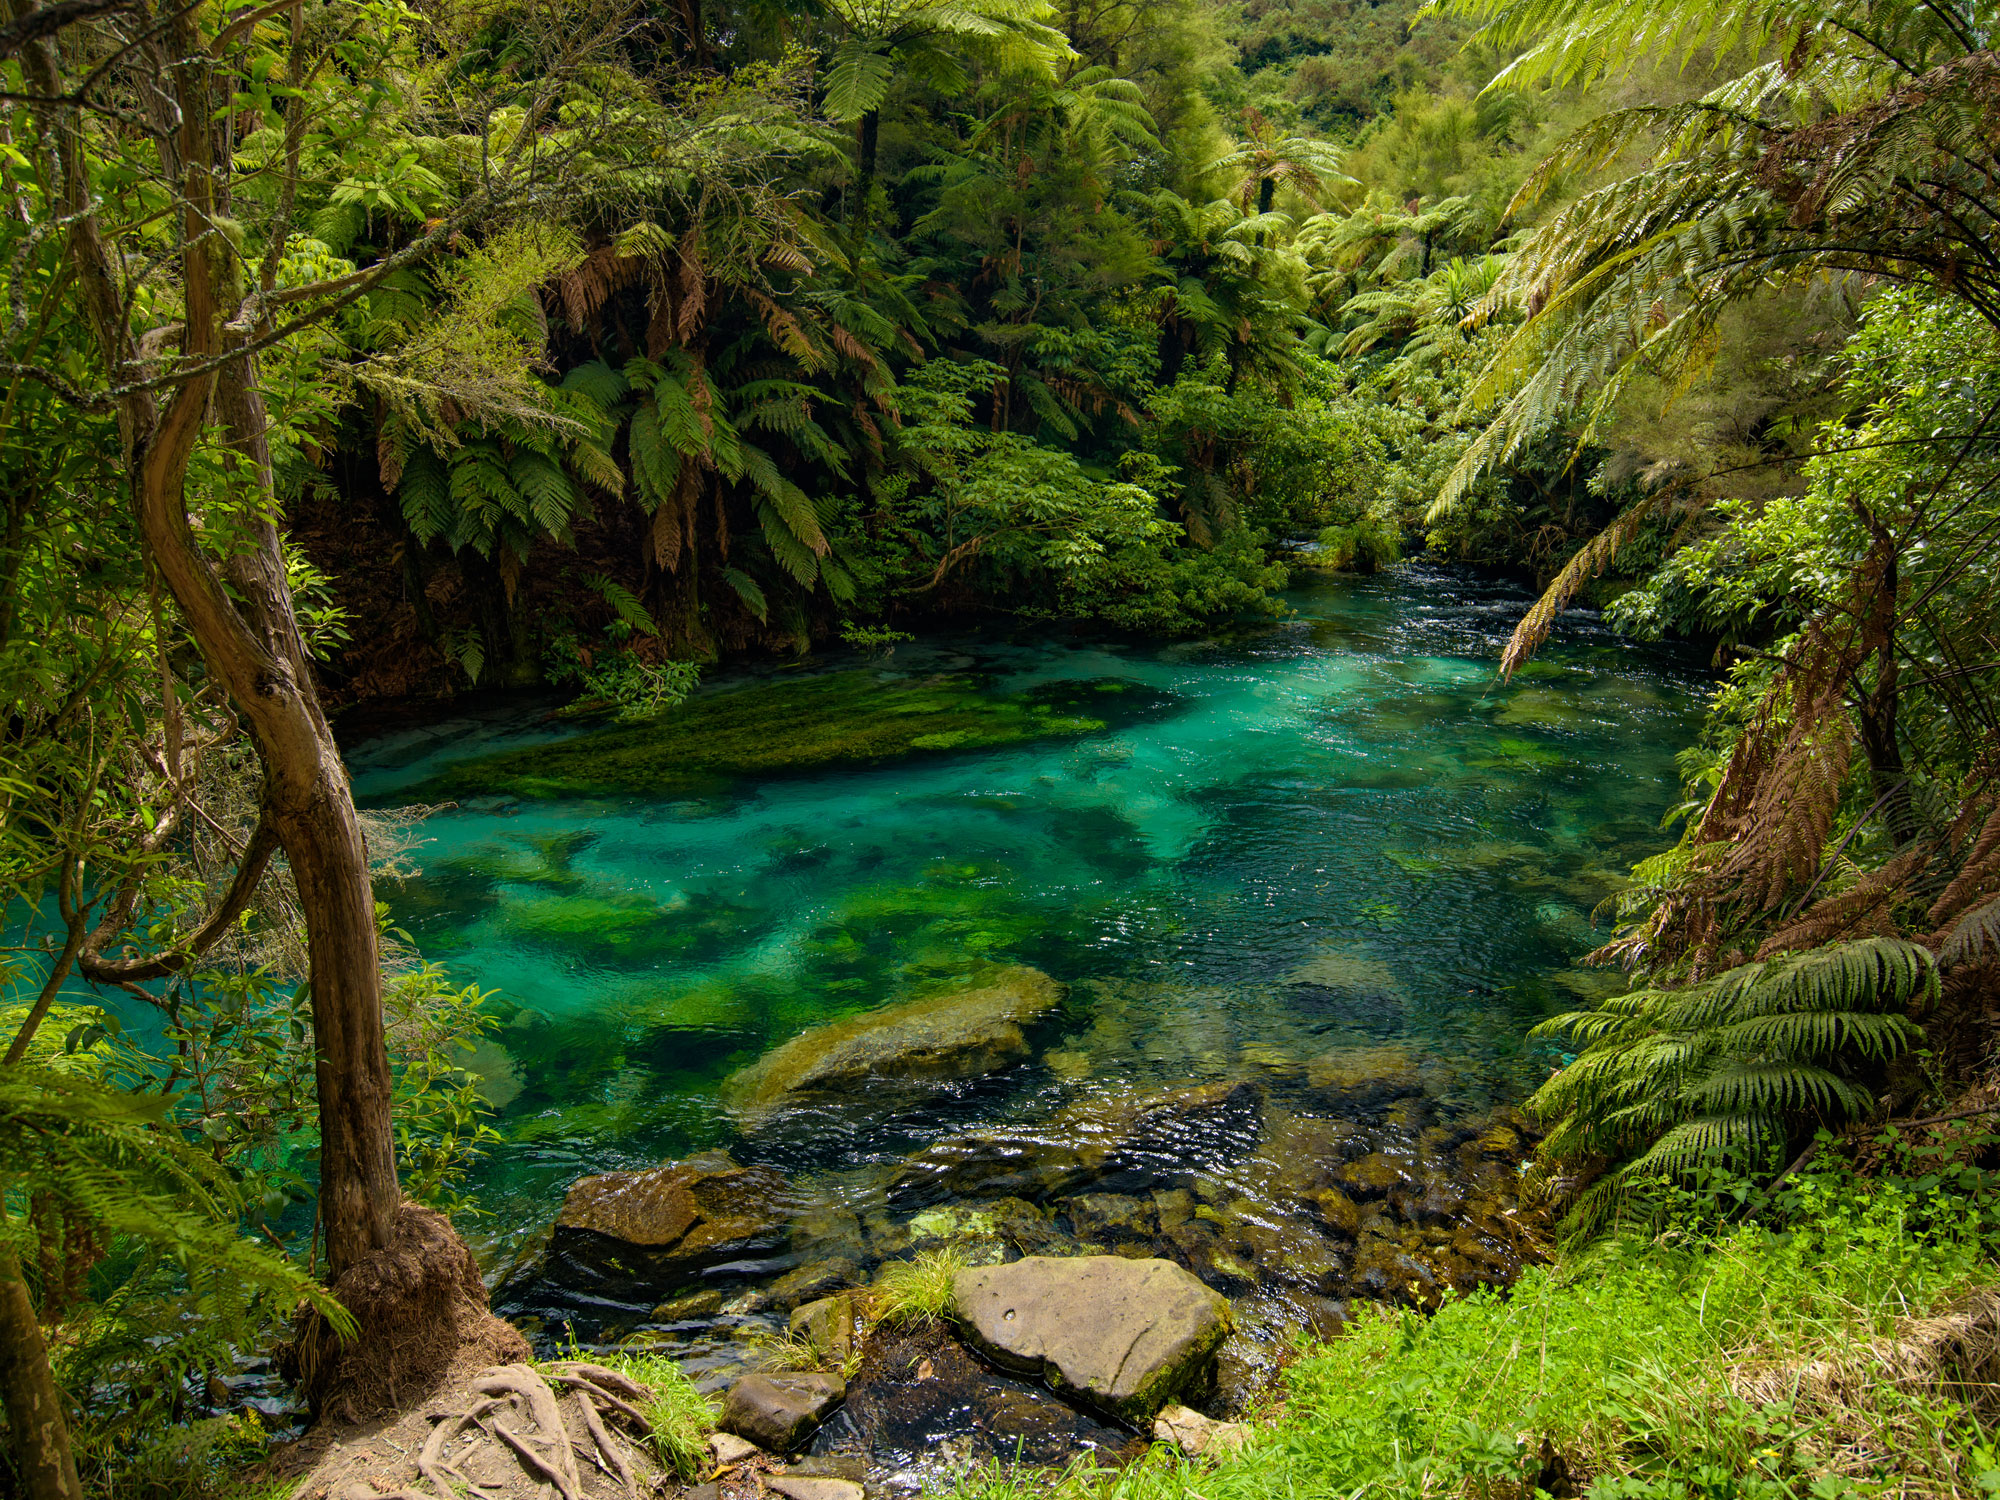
(681, 1416)
(919, 1290)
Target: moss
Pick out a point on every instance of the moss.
(800, 724)
(630, 929)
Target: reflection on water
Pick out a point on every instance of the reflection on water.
(1337, 837)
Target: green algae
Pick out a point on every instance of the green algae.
(773, 728)
(1541, 708)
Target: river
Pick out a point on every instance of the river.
(1333, 836)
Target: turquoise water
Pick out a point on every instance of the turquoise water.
(1336, 831)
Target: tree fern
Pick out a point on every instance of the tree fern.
(1728, 1071)
(1834, 161)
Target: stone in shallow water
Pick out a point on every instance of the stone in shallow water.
(679, 1216)
(921, 1405)
(827, 1326)
(939, 1039)
(814, 1487)
(1364, 1075)
(813, 1279)
(1125, 1336)
(1124, 1142)
(779, 1412)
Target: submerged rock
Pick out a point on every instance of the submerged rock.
(779, 1412)
(943, 1038)
(1124, 1336)
(1353, 1076)
(679, 1216)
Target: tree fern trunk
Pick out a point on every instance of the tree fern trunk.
(867, 133)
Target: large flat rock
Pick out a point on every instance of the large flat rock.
(1124, 1336)
(940, 1039)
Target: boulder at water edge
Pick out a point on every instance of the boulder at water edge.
(1125, 1336)
(779, 1412)
(677, 1217)
(940, 1039)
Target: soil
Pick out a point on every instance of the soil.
(384, 1456)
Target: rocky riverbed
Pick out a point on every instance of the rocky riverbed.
(1282, 1193)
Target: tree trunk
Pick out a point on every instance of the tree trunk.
(1888, 777)
(503, 629)
(28, 1387)
(867, 132)
(250, 639)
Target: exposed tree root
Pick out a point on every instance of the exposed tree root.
(516, 1437)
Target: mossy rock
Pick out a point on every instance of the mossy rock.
(1123, 1336)
(943, 1038)
(1541, 708)
(773, 728)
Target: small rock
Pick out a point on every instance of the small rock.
(1105, 1218)
(682, 1216)
(1337, 1212)
(1364, 1075)
(702, 1304)
(849, 1466)
(779, 1412)
(1376, 1175)
(709, 1491)
(727, 1448)
(812, 1280)
(1195, 1435)
(1125, 1336)
(812, 1487)
(827, 1325)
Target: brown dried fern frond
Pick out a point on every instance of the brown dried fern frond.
(1862, 910)
(1977, 877)
(1954, 1353)
(1782, 830)
(1590, 560)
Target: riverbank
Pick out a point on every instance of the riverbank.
(1846, 1344)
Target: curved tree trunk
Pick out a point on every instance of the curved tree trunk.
(241, 617)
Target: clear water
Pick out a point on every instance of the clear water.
(1337, 830)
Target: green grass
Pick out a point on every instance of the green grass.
(913, 1291)
(1678, 1368)
(681, 1416)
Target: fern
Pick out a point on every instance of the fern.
(90, 1155)
(747, 590)
(1725, 1072)
(624, 603)
(424, 493)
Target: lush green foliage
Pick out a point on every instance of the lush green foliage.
(1725, 1071)
(1707, 1361)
